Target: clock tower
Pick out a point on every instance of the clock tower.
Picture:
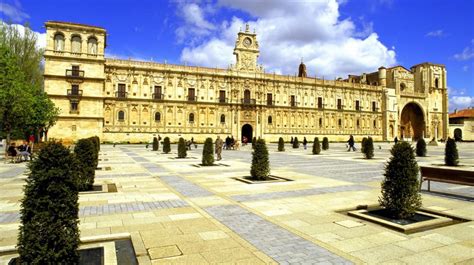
(246, 51)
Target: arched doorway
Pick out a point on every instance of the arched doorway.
(412, 122)
(247, 131)
(458, 134)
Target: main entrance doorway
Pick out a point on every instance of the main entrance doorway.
(247, 131)
(412, 122)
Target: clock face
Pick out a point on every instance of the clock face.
(247, 42)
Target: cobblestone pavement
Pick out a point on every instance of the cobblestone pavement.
(185, 187)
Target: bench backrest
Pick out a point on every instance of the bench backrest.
(447, 173)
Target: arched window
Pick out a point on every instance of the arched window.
(59, 42)
(402, 86)
(222, 118)
(76, 44)
(339, 122)
(191, 117)
(436, 82)
(157, 116)
(270, 120)
(92, 45)
(121, 115)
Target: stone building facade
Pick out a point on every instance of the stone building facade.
(132, 101)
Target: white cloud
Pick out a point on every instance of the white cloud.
(288, 31)
(466, 54)
(436, 33)
(195, 24)
(460, 102)
(13, 12)
(40, 37)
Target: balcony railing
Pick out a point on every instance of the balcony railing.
(74, 93)
(192, 98)
(121, 94)
(321, 106)
(73, 73)
(157, 96)
(248, 101)
(223, 100)
(294, 104)
(270, 102)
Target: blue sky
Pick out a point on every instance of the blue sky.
(334, 38)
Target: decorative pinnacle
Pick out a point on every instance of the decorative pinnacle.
(247, 28)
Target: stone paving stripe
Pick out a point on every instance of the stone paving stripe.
(296, 193)
(185, 187)
(123, 175)
(13, 172)
(276, 242)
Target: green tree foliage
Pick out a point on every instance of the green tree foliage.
(368, 148)
(325, 143)
(182, 153)
(363, 144)
(166, 145)
(208, 152)
(296, 143)
(155, 144)
(254, 141)
(400, 188)
(260, 169)
(316, 146)
(421, 147)
(281, 144)
(86, 155)
(451, 156)
(49, 231)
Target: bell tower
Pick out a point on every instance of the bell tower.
(246, 51)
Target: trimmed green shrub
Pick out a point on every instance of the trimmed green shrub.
(325, 143)
(316, 146)
(254, 141)
(208, 152)
(95, 142)
(451, 157)
(155, 144)
(166, 145)
(260, 169)
(86, 155)
(362, 145)
(296, 143)
(369, 148)
(49, 231)
(281, 144)
(182, 153)
(400, 188)
(421, 147)
(291, 141)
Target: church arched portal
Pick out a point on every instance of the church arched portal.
(247, 132)
(412, 122)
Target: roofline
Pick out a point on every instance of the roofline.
(64, 23)
(428, 63)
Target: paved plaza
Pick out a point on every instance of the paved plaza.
(178, 212)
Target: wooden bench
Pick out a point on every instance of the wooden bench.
(446, 175)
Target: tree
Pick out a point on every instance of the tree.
(363, 144)
(296, 143)
(260, 169)
(325, 143)
(281, 144)
(254, 140)
(86, 155)
(166, 145)
(368, 147)
(155, 144)
(49, 231)
(208, 152)
(43, 116)
(451, 157)
(316, 146)
(182, 148)
(400, 188)
(421, 147)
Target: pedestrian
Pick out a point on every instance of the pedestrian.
(219, 144)
(232, 142)
(305, 142)
(395, 140)
(31, 141)
(227, 143)
(350, 142)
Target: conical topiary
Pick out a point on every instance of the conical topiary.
(49, 232)
(296, 143)
(325, 143)
(182, 153)
(281, 144)
(369, 148)
(254, 141)
(260, 169)
(291, 141)
(421, 147)
(85, 151)
(400, 188)
(362, 145)
(155, 144)
(316, 146)
(166, 145)
(208, 153)
(451, 157)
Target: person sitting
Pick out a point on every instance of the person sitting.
(25, 151)
(13, 152)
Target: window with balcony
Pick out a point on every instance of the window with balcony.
(74, 91)
(247, 96)
(339, 103)
(121, 91)
(157, 117)
(222, 118)
(158, 93)
(74, 106)
(320, 102)
(357, 105)
(269, 99)
(76, 44)
(59, 42)
(436, 82)
(222, 98)
(192, 94)
(191, 117)
(121, 115)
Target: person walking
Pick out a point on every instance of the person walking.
(305, 142)
(219, 144)
(350, 142)
(395, 140)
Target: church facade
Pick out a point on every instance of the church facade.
(133, 101)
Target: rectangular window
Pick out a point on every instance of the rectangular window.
(339, 103)
(357, 105)
(374, 106)
(221, 96)
(75, 70)
(191, 94)
(320, 102)
(122, 91)
(74, 106)
(157, 93)
(293, 101)
(74, 90)
(269, 99)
